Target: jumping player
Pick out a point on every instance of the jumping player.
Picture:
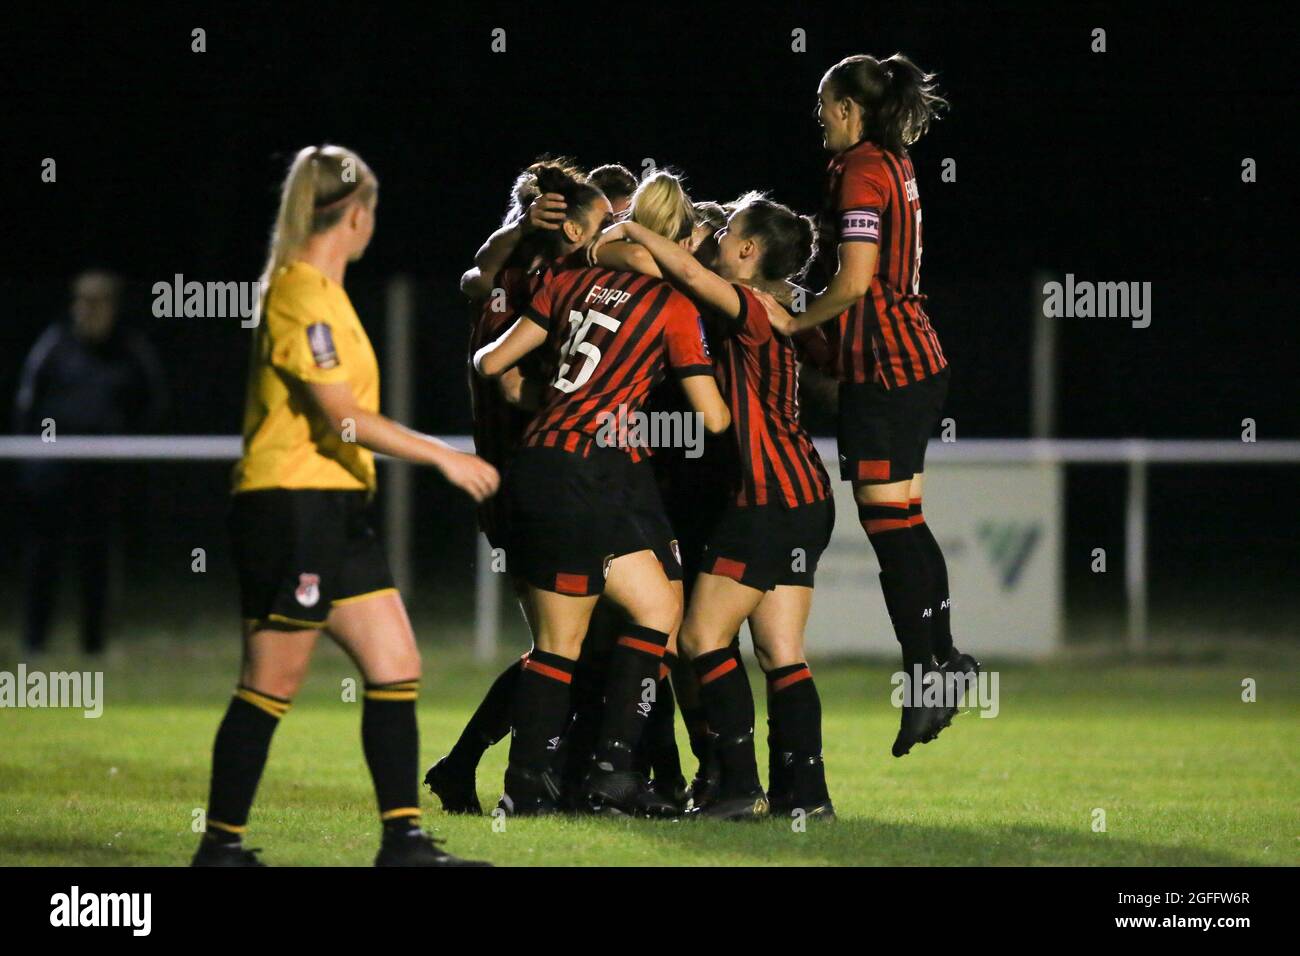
(306, 552)
(893, 374)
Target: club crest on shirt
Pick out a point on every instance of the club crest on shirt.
(321, 342)
(308, 590)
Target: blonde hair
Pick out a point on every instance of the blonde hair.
(661, 205)
(321, 185)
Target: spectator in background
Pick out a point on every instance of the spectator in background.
(89, 376)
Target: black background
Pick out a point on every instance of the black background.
(1116, 166)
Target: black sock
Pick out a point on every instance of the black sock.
(904, 578)
(490, 723)
(633, 665)
(729, 704)
(390, 738)
(697, 730)
(238, 758)
(795, 714)
(659, 740)
(940, 601)
(541, 708)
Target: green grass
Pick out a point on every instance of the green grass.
(1187, 773)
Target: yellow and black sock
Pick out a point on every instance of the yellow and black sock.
(391, 741)
(238, 758)
(634, 665)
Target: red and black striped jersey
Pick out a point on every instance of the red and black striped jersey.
(498, 425)
(620, 332)
(758, 371)
(872, 197)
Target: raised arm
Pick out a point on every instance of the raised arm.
(703, 285)
(856, 264)
(544, 212)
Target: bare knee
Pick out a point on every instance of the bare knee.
(278, 677)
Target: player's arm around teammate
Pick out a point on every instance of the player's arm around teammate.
(305, 549)
(780, 520)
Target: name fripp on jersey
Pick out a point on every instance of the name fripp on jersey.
(611, 298)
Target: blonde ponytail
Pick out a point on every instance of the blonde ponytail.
(661, 205)
(321, 184)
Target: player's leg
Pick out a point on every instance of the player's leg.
(659, 741)
(452, 778)
(274, 664)
(542, 699)
(797, 779)
(374, 630)
(637, 584)
(719, 605)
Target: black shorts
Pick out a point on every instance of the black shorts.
(767, 545)
(883, 432)
(299, 553)
(648, 510)
(570, 517)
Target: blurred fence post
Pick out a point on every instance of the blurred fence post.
(398, 404)
(1135, 552)
(1042, 378)
(487, 603)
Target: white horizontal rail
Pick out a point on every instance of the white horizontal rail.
(971, 451)
(1136, 453)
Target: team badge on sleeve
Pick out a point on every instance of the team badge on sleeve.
(860, 225)
(321, 342)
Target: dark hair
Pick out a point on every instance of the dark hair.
(526, 189)
(789, 240)
(613, 180)
(897, 97)
(549, 176)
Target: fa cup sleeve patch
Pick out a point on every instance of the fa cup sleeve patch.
(321, 342)
(860, 225)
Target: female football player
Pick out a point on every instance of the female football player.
(893, 375)
(518, 251)
(508, 268)
(760, 560)
(574, 522)
(306, 552)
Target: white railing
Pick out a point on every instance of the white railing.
(1134, 453)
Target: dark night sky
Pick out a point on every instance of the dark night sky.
(1122, 166)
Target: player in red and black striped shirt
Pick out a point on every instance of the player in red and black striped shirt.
(760, 561)
(574, 532)
(508, 269)
(893, 375)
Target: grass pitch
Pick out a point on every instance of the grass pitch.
(1186, 772)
